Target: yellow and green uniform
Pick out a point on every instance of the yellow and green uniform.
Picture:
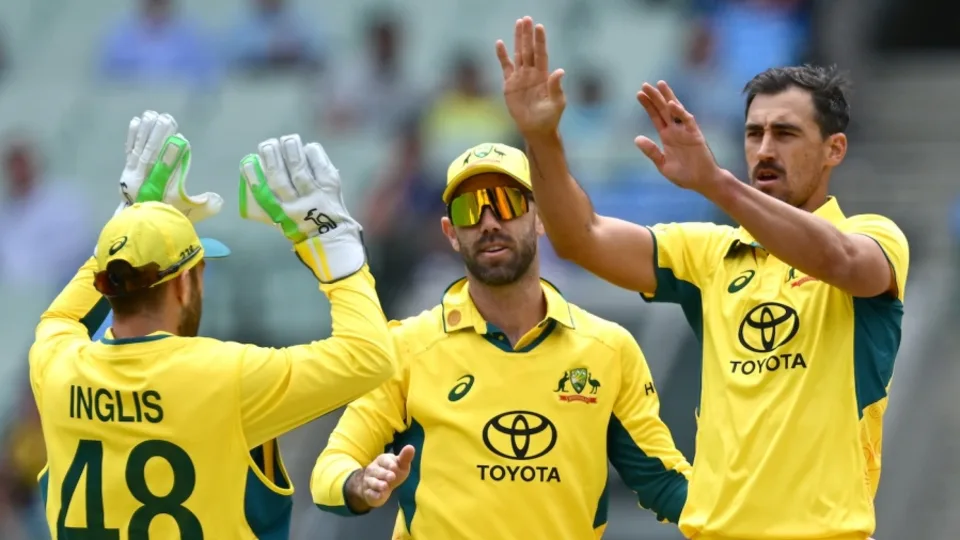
(172, 437)
(512, 440)
(795, 381)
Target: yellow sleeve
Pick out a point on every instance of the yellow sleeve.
(640, 445)
(281, 389)
(74, 316)
(891, 240)
(366, 429)
(683, 256)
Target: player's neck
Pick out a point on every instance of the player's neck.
(515, 308)
(133, 327)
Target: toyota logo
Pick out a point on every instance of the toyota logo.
(768, 326)
(520, 435)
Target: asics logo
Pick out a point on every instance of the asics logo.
(322, 221)
(117, 245)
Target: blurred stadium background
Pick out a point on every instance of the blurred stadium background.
(394, 90)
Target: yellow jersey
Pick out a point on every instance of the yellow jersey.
(512, 440)
(151, 437)
(795, 380)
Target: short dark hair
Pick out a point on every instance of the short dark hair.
(134, 302)
(827, 87)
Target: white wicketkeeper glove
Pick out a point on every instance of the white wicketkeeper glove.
(158, 160)
(297, 188)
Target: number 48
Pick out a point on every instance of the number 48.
(89, 456)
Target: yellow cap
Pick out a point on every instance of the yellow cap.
(487, 158)
(155, 232)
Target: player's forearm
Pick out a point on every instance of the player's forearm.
(360, 340)
(353, 493)
(800, 239)
(336, 484)
(79, 305)
(565, 209)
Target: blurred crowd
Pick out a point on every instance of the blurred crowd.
(158, 41)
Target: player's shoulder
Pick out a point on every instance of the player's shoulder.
(695, 229)
(592, 326)
(880, 228)
(869, 220)
(697, 235)
(419, 332)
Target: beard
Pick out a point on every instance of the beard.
(504, 272)
(189, 324)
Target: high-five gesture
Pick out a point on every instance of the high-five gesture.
(533, 94)
(685, 158)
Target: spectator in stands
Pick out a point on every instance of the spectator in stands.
(157, 44)
(22, 457)
(44, 227)
(273, 35)
(373, 92)
(3, 59)
(464, 114)
(401, 218)
(731, 41)
(589, 120)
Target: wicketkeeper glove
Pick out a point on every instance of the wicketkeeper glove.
(158, 160)
(296, 187)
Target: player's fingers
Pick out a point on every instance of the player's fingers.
(276, 171)
(555, 86)
(292, 149)
(325, 174)
(375, 484)
(681, 116)
(505, 64)
(518, 43)
(254, 190)
(526, 50)
(132, 130)
(655, 117)
(657, 101)
(147, 121)
(163, 127)
(381, 472)
(540, 57)
(372, 496)
(667, 91)
(651, 150)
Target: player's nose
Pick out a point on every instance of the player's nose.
(767, 150)
(488, 221)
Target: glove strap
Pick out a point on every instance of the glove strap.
(333, 259)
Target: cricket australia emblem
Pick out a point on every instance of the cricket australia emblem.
(578, 379)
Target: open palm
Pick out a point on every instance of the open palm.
(685, 159)
(533, 95)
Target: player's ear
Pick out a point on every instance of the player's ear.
(537, 222)
(450, 233)
(836, 149)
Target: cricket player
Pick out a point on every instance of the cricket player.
(149, 431)
(509, 401)
(798, 310)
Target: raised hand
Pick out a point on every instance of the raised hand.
(378, 480)
(158, 161)
(533, 94)
(685, 159)
(297, 188)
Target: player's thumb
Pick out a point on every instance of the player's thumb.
(405, 458)
(555, 86)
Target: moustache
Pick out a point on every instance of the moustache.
(768, 166)
(493, 238)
